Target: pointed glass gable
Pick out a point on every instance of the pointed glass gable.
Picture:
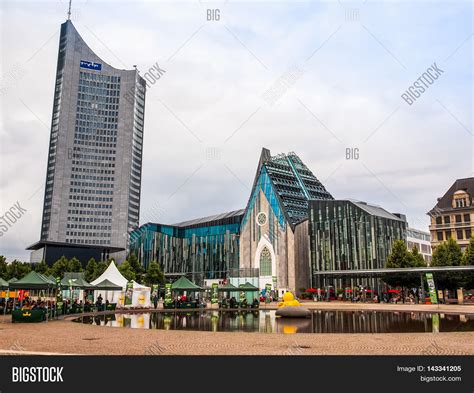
(288, 185)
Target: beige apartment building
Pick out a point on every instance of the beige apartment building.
(453, 215)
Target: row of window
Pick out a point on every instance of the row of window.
(458, 219)
(461, 234)
(91, 191)
(90, 205)
(88, 212)
(88, 241)
(99, 77)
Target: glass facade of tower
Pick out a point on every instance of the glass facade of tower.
(208, 249)
(93, 179)
(350, 235)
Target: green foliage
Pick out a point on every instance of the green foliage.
(136, 267)
(417, 258)
(41, 268)
(74, 265)
(17, 269)
(3, 267)
(127, 271)
(400, 257)
(468, 259)
(100, 268)
(154, 275)
(91, 267)
(447, 254)
(60, 267)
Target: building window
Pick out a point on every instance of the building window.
(440, 236)
(265, 262)
(458, 218)
(468, 233)
(439, 220)
(448, 235)
(459, 234)
(467, 218)
(447, 219)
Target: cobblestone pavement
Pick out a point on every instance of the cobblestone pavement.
(72, 338)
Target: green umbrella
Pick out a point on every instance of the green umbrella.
(75, 280)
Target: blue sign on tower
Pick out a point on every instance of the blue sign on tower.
(90, 65)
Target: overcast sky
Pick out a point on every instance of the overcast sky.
(221, 99)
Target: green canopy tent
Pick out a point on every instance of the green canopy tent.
(14, 279)
(247, 287)
(183, 284)
(4, 284)
(33, 281)
(76, 281)
(228, 288)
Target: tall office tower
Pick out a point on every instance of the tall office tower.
(93, 180)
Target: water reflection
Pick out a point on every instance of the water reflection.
(264, 321)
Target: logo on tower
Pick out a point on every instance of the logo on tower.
(90, 65)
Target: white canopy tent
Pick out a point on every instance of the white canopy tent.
(141, 293)
(113, 275)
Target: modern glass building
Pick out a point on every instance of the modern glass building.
(350, 235)
(205, 248)
(93, 179)
(274, 233)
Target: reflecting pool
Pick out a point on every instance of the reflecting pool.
(264, 321)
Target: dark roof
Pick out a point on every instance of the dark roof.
(42, 243)
(466, 184)
(375, 210)
(209, 219)
(183, 284)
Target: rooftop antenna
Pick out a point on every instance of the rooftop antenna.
(69, 11)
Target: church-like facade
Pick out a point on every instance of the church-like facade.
(274, 230)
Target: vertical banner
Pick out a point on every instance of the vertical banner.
(59, 295)
(154, 291)
(214, 293)
(168, 298)
(129, 293)
(435, 323)
(268, 288)
(432, 288)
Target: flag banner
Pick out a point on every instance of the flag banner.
(432, 288)
(154, 291)
(268, 288)
(214, 293)
(168, 297)
(129, 293)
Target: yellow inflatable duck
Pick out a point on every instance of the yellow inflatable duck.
(289, 301)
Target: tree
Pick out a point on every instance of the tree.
(3, 267)
(41, 268)
(448, 254)
(136, 266)
(127, 271)
(60, 267)
(91, 267)
(417, 258)
(468, 259)
(17, 269)
(400, 257)
(74, 265)
(154, 275)
(101, 267)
